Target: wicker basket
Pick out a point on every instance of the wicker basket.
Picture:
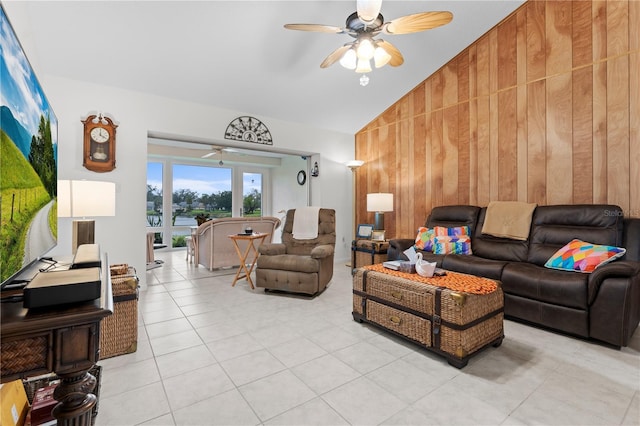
(119, 269)
(119, 332)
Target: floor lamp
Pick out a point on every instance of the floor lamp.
(83, 199)
(354, 165)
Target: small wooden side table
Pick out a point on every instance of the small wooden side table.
(251, 240)
(367, 252)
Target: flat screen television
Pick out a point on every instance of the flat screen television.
(28, 161)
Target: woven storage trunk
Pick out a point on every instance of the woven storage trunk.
(367, 252)
(119, 332)
(454, 324)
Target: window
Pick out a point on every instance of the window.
(154, 198)
(199, 193)
(252, 194)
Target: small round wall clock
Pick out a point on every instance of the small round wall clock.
(99, 143)
(302, 177)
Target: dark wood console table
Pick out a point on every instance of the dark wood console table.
(62, 339)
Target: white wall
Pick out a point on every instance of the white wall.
(123, 236)
(286, 193)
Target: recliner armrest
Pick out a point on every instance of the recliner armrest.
(321, 251)
(617, 269)
(401, 244)
(397, 247)
(272, 249)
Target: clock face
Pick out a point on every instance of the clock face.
(302, 177)
(99, 135)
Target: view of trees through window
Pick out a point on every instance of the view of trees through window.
(198, 193)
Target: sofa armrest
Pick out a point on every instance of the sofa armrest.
(271, 249)
(397, 247)
(322, 251)
(618, 269)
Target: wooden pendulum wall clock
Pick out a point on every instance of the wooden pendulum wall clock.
(99, 143)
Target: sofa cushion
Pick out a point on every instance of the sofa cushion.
(289, 262)
(546, 285)
(491, 247)
(581, 256)
(450, 216)
(474, 265)
(554, 226)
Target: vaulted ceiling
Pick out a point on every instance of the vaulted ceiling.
(237, 55)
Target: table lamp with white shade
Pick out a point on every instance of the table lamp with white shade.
(379, 203)
(85, 199)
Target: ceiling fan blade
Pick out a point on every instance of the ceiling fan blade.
(417, 22)
(314, 27)
(396, 56)
(335, 56)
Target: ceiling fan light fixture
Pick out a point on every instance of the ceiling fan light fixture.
(380, 57)
(364, 80)
(368, 10)
(349, 59)
(363, 66)
(365, 48)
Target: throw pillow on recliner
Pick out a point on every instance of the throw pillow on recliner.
(425, 240)
(457, 244)
(581, 256)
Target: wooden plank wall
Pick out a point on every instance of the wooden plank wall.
(543, 108)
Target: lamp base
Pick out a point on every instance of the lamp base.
(83, 233)
(378, 221)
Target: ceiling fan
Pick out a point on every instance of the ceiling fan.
(217, 150)
(365, 24)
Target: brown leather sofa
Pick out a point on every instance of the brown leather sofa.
(603, 305)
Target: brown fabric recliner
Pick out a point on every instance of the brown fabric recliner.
(299, 266)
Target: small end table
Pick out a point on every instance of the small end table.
(367, 252)
(251, 240)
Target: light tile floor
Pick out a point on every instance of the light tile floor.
(212, 354)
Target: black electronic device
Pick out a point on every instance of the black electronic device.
(87, 256)
(62, 287)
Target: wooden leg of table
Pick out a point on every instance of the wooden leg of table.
(253, 262)
(245, 255)
(76, 400)
(237, 277)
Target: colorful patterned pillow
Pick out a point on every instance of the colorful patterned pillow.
(583, 257)
(425, 238)
(457, 244)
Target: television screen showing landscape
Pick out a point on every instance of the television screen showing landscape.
(28, 160)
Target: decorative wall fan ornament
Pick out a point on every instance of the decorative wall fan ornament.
(248, 129)
(364, 25)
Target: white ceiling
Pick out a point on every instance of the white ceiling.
(237, 55)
